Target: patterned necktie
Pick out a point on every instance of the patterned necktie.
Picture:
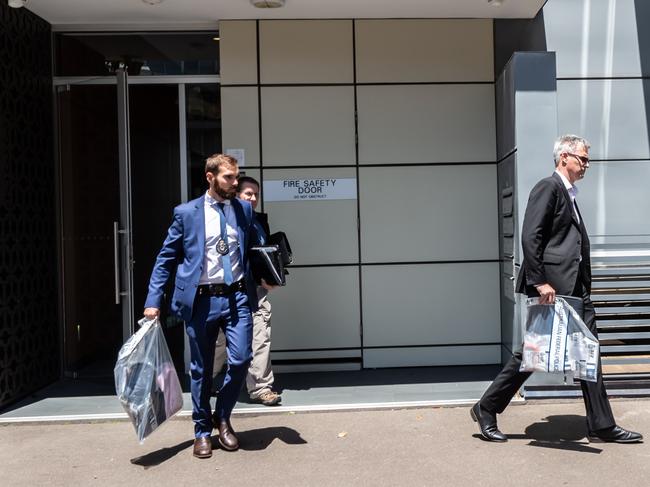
(225, 259)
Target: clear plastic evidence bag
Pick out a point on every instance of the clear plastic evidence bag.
(146, 382)
(557, 341)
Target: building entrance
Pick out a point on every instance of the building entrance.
(129, 152)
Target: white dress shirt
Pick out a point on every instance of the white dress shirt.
(212, 261)
(573, 192)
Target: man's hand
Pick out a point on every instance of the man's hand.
(268, 287)
(151, 313)
(546, 294)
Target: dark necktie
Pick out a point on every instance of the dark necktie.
(225, 259)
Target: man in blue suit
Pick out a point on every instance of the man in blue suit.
(207, 247)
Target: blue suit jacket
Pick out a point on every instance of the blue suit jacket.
(184, 249)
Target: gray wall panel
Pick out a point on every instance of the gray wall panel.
(505, 114)
(611, 114)
(426, 123)
(431, 304)
(306, 51)
(238, 51)
(240, 121)
(614, 198)
(319, 308)
(595, 38)
(431, 356)
(428, 213)
(308, 125)
(410, 50)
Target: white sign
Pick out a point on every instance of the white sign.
(238, 154)
(315, 189)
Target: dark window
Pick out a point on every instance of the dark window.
(203, 132)
(147, 54)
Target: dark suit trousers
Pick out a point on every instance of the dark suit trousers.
(509, 380)
(230, 314)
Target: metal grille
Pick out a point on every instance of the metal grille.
(621, 295)
(29, 345)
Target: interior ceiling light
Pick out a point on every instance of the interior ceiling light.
(267, 3)
(152, 2)
(496, 3)
(17, 3)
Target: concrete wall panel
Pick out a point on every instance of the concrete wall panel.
(306, 51)
(319, 308)
(424, 50)
(426, 123)
(428, 213)
(308, 125)
(238, 52)
(431, 304)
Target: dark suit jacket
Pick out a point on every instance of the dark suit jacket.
(553, 241)
(183, 250)
(263, 220)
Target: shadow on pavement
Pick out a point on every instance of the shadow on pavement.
(261, 438)
(250, 440)
(157, 457)
(560, 432)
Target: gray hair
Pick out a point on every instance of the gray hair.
(568, 143)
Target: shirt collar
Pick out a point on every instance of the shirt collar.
(571, 188)
(211, 201)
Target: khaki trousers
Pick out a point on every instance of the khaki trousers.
(260, 376)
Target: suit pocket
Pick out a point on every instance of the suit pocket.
(552, 258)
(180, 284)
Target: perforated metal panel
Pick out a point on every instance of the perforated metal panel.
(29, 345)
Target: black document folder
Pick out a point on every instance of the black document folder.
(267, 264)
(268, 261)
(280, 239)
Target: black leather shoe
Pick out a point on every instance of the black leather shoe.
(227, 437)
(487, 423)
(202, 447)
(615, 434)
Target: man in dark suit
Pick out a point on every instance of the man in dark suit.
(260, 379)
(207, 248)
(555, 261)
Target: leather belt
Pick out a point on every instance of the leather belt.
(221, 289)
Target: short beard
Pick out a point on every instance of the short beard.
(226, 195)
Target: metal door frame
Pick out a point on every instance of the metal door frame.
(122, 237)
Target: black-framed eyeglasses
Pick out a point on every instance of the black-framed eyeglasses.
(584, 160)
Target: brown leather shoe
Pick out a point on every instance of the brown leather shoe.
(227, 438)
(203, 447)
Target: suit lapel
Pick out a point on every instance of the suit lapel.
(199, 223)
(567, 197)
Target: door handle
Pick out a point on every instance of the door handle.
(116, 260)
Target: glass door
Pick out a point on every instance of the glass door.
(90, 199)
(120, 180)
(155, 180)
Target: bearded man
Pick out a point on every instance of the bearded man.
(207, 246)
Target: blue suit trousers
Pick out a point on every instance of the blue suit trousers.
(230, 314)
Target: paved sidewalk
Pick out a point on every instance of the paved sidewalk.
(414, 447)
